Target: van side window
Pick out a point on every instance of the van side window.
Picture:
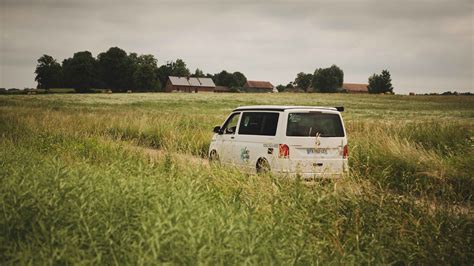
(258, 123)
(231, 124)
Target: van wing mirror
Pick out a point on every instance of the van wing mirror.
(217, 129)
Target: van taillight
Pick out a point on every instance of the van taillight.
(283, 151)
(345, 154)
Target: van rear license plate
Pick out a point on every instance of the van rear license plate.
(317, 151)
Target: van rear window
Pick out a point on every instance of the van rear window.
(258, 123)
(310, 124)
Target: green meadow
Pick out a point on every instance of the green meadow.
(124, 179)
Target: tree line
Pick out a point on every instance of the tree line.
(331, 79)
(119, 71)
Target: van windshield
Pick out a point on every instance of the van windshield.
(312, 123)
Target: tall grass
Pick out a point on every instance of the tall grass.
(422, 158)
(76, 188)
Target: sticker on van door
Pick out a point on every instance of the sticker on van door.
(270, 145)
(244, 154)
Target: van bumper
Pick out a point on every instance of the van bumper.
(310, 176)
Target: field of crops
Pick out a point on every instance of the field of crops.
(123, 178)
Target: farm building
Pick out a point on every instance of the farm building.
(189, 84)
(355, 88)
(221, 89)
(258, 86)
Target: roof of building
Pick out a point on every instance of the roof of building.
(282, 108)
(355, 87)
(258, 84)
(192, 81)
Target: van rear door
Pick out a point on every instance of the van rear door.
(316, 140)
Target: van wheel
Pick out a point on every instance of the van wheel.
(263, 166)
(213, 157)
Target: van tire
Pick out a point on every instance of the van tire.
(263, 166)
(213, 157)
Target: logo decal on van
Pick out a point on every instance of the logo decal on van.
(244, 154)
(317, 142)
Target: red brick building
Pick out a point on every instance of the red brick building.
(189, 84)
(355, 88)
(258, 86)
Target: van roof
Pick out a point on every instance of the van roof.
(282, 108)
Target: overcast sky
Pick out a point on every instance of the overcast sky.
(426, 45)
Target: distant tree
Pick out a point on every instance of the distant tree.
(328, 79)
(224, 78)
(289, 85)
(116, 69)
(145, 76)
(380, 83)
(238, 79)
(303, 80)
(80, 72)
(164, 71)
(198, 73)
(179, 69)
(172, 68)
(48, 72)
(133, 58)
(447, 93)
(280, 88)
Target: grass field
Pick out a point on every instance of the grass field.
(122, 178)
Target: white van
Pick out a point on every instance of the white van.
(291, 140)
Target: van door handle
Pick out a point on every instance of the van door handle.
(232, 137)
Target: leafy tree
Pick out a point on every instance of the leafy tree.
(48, 72)
(303, 80)
(80, 72)
(198, 73)
(280, 88)
(224, 78)
(238, 79)
(328, 79)
(116, 69)
(133, 57)
(380, 83)
(177, 68)
(145, 76)
(163, 72)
